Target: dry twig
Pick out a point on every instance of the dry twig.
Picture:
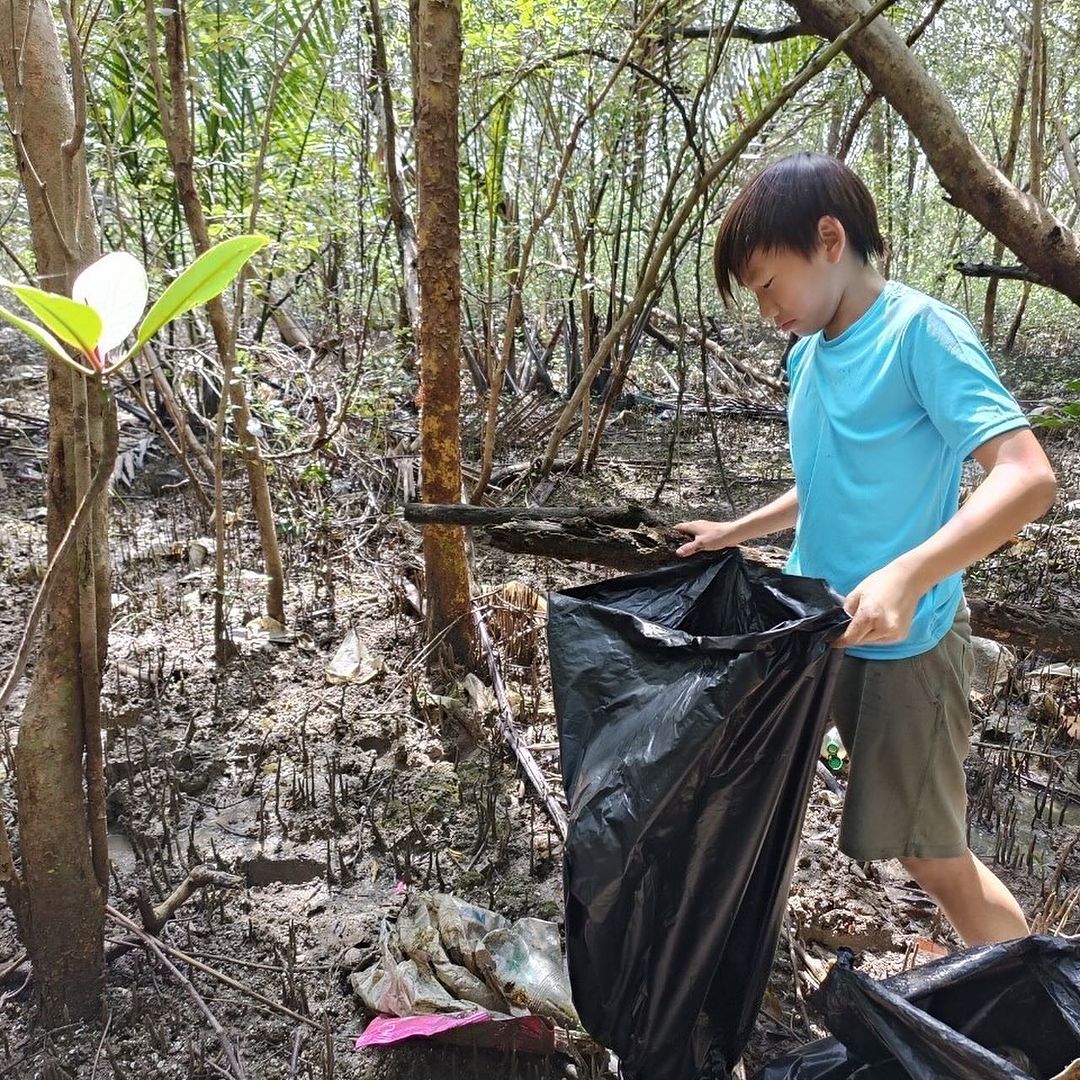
(187, 958)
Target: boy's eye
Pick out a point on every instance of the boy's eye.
(768, 283)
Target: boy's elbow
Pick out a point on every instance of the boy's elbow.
(1044, 489)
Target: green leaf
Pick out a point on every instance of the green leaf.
(41, 336)
(204, 279)
(77, 324)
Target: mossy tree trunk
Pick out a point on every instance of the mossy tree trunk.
(58, 892)
(439, 265)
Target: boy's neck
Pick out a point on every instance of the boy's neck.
(859, 293)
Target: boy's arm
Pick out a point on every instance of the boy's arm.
(773, 517)
(1019, 487)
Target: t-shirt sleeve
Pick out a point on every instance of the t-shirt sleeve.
(955, 381)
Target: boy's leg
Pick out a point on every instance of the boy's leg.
(907, 728)
(978, 905)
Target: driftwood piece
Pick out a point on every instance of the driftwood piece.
(583, 536)
(1057, 634)
(584, 539)
(155, 918)
(463, 514)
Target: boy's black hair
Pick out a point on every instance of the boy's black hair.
(781, 207)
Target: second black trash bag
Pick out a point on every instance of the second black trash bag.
(691, 702)
(1009, 1011)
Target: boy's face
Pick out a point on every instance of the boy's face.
(798, 294)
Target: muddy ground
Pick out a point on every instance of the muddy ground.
(326, 801)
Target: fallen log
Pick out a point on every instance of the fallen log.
(464, 514)
(585, 535)
(1055, 633)
(587, 539)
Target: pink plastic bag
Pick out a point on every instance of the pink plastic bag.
(528, 1034)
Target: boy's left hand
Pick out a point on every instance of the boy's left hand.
(881, 607)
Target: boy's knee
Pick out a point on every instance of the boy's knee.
(937, 875)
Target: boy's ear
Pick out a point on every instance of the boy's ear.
(832, 237)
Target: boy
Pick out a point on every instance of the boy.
(890, 392)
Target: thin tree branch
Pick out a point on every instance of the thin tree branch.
(570, 54)
(78, 82)
(186, 958)
(30, 279)
(753, 34)
(816, 64)
(87, 431)
(158, 949)
(872, 96)
(993, 270)
(537, 223)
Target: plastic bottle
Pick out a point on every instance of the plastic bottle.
(832, 750)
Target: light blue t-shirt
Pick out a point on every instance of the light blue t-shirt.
(881, 418)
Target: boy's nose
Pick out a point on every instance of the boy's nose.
(766, 307)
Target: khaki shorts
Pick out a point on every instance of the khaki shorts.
(907, 729)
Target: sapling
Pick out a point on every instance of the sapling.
(107, 299)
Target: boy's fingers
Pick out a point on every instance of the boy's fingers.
(687, 549)
(861, 624)
(859, 630)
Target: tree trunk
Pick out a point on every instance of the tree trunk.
(178, 139)
(404, 229)
(973, 183)
(439, 256)
(59, 898)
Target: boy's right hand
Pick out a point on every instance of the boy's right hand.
(707, 536)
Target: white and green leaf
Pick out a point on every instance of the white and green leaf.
(115, 287)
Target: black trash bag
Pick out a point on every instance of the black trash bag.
(691, 703)
(825, 1059)
(999, 1012)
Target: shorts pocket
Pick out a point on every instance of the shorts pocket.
(924, 677)
(968, 666)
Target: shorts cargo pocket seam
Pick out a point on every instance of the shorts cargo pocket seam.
(967, 666)
(935, 702)
(933, 694)
(932, 751)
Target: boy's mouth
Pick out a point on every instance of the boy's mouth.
(786, 326)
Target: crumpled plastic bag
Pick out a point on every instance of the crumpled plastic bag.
(444, 955)
(525, 962)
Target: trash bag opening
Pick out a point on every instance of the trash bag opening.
(736, 604)
(719, 597)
